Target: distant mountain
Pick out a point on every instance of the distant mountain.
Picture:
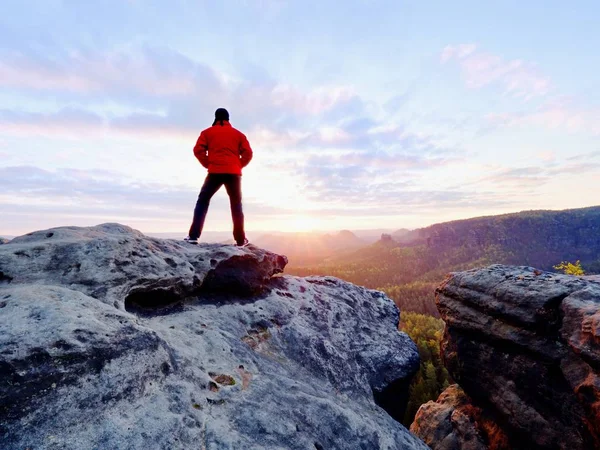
(535, 238)
(409, 270)
(309, 248)
(366, 236)
(401, 234)
(371, 236)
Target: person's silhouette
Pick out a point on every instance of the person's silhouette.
(224, 151)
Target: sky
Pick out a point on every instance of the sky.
(362, 114)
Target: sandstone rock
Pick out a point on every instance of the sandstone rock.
(452, 422)
(524, 345)
(110, 339)
(118, 265)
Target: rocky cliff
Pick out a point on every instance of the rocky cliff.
(111, 339)
(525, 347)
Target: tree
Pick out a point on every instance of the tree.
(570, 268)
(432, 377)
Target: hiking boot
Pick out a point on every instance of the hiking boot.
(243, 244)
(189, 240)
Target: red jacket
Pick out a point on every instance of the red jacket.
(223, 149)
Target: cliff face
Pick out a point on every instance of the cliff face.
(111, 339)
(525, 347)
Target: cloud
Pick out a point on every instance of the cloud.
(165, 95)
(85, 197)
(67, 196)
(358, 133)
(35, 198)
(161, 94)
(360, 179)
(364, 134)
(585, 156)
(182, 86)
(397, 102)
(317, 101)
(517, 77)
(552, 115)
(522, 177)
(98, 188)
(339, 158)
(409, 201)
(520, 79)
(532, 177)
(110, 72)
(380, 161)
(459, 51)
(64, 122)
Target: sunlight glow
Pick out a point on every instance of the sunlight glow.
(303, 223)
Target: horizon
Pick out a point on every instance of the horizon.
(396, 115)
(260, 233)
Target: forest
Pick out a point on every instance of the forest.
(410, 268)
(432, 377)
(408, 271)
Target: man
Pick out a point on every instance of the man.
(224, 151)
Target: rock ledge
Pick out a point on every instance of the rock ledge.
(525, 347)
(111, 339)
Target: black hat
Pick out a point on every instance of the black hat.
(221, 114)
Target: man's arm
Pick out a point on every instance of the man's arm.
(245, 151)
(201, 150)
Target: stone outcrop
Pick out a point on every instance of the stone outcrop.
(121, 266)
(525, 346)
(453, 422)
(111, 339)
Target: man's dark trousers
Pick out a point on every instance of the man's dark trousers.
(212, 183)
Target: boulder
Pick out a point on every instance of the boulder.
(111, 339)
(525, 347)
(119, 265)
(453, 422)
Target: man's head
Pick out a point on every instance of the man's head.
(221, 114)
